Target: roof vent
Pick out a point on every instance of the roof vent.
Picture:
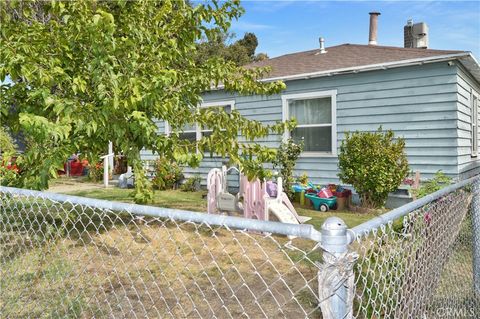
(372, 36)
(415, 35)
(322, 45)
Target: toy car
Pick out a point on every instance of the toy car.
(322, 204)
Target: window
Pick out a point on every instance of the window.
(474, 119)
(189, 133)
(193, 132)
(316, 121)
(205, 131)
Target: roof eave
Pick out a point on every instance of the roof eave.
(472, 65)
(372, 67)
(466, 58)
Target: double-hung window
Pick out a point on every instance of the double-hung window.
(316, 121)
(188, 132)
(474, 120)
(227, 106)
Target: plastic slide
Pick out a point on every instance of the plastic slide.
(286, 202)
(282, 213)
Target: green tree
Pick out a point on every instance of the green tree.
(241, 51)
(374, 163)
(88, 72)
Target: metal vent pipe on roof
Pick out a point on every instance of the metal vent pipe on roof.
(372, 37)
(322, 45)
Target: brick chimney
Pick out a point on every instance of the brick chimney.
(372, 37)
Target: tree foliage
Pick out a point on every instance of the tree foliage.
(87, 72)
(374, 164)
(240, 52)
(7, 145)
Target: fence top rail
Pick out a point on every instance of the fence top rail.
(399, 212)
(302, 231)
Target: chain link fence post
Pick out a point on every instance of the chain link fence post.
(476, 235)
(335, 275)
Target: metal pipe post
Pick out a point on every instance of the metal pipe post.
(334, 241)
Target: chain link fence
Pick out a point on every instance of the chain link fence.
(71, 257)
(420, 265)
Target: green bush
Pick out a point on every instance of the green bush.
(439, 181)
(192, 184)
(287, 155)
(9, 175)
(374, 164)
(303, 179)
(9, 172)
(95, 172)
(167, 174)
(7, 145)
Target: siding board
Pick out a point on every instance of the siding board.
(467, 165)
(422, 104)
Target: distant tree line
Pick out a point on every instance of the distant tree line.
(241, 51)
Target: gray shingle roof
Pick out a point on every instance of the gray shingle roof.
(343, 56)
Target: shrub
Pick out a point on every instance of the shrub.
(167, 174)
(95, 172)
(374, 164)
(287, 155)
(7, 145)
(303, 179)
(192, 184)
(9, 172)
(439, 181)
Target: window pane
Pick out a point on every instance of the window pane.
(189, 127)
(312, 111)
(192, 137)
(315, 139)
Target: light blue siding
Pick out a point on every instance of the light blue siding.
(417, 102)
(467, 165)
(425, 104)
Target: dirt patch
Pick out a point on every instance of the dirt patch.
(72, 184)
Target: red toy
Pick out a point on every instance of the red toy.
(325, 193)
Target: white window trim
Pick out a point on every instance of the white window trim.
(198, 130)
(474, 122)
(313, 95)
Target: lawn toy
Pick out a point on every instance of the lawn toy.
(322, 204)
(219, 199)
(253, 199)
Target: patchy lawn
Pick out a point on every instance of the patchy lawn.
(170, 199)
(193, 201)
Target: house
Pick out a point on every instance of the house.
(429, 97)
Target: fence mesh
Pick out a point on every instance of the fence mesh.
(70, 260)
(419, 266)
(65, 260)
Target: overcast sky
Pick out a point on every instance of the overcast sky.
(291, 26)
